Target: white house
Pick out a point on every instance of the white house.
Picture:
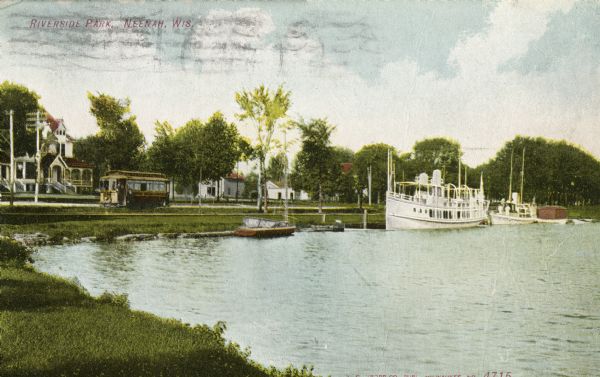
(231, 186)
(275, 191)
(60, 170)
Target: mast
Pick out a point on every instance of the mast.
(511, 174)
(522, 175)
(388, 170)
(457, 194)
(285, 178)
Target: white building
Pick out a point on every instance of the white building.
(275, 191)
(60, 170)
(231, 186)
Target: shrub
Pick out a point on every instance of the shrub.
(114, 299)
(14, 253)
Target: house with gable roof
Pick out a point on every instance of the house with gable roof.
(60, 170)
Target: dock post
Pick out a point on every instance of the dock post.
(323, 218)
(365, 219)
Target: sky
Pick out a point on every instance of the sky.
(394, 71)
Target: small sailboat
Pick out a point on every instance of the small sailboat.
(513, 210)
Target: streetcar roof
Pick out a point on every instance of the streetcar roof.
(136, 175)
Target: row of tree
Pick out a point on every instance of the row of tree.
(555, 171)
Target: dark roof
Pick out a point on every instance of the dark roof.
(75, 163)
(346, 167)
(53, 123)
(235, 176)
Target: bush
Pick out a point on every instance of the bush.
(114, 299)
(14, 253)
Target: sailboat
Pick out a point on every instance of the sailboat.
(513, 210)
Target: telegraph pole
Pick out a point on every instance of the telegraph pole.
(369, 181)
(12, 160)
(38, 156)
(285, 177)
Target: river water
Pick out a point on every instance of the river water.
(519, 299)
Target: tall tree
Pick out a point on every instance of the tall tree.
(436, 153)
(197, 152)
(22, 101)
(556, 172)
(119, 142)
(375, 157)
(314, 161)
(266, 110)
(342, 182)
(161, 155)
(276, 169)
(190, 156)
(221, 144)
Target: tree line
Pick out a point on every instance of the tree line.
(555, 172)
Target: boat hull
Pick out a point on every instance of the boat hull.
(264, 232)
(397, 223)
(553, 221)
(498, 219)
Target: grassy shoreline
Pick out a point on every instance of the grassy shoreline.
(51, 327)
(72, 223)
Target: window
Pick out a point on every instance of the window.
(430, 213)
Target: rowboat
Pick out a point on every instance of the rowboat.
(263, 228)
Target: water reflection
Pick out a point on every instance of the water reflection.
(523, 299)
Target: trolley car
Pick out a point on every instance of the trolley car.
(134, 189)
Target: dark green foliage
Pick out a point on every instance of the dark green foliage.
(430, 154)
(22, 101)
(196, 151)
(114, 298)
(375, 156)
(314, 166)
(161, 155)
(556, 172)
(119, 142)
(14, 253)
(276, 169)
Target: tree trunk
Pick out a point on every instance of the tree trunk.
(360, 204)
(260, 187)
(320, 198)
(265, 191)
(12, 194)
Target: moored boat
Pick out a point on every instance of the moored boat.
(431, 204)
(338, 226)
(262, 228)
(514, 211)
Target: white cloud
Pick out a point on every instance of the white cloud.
(481, 106)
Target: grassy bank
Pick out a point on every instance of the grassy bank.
(105, 224)
(51, 327)
(585, 212)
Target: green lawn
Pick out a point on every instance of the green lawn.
(105, 224)
(587, 212)
(51, 327)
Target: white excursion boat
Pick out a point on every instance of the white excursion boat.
(514, 211)
(431, 204)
